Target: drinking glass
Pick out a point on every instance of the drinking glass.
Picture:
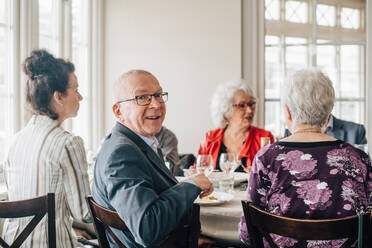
(228, 162)
(205, 164)
(226, 183)
(91, 159)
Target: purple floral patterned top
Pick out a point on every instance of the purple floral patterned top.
(313, 180)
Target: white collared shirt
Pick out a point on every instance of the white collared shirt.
(151, 142)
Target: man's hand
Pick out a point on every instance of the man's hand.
(203, 183)
(83, 233)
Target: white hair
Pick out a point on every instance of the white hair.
(222, 100)
(310, 97)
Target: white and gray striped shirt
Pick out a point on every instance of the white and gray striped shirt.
(44, 158)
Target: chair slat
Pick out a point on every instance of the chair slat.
(37, 207)
(34, 206)
(104, 219)
(261, 223)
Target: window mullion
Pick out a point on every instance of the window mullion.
(91, 98)
(28, 40)
(362, 62)
(96, 56)
(338, 77)
(66, 29)
(66, 40)
(283, 49)
(13, 28)
(313, 52)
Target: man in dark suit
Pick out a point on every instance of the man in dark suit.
(347, 131)
(130, 176)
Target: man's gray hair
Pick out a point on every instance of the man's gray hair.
(118, 93)
(310, 97)
(222, 100)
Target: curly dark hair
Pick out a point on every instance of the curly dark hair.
(46, 74)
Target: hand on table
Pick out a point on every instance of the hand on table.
(203, 183)
(82, 233)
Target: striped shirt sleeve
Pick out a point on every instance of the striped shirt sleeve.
(76, 182)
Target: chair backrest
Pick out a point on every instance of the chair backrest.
(261, 224)
(36, 207)
(104, 219)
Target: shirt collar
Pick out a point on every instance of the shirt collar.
(151, 142)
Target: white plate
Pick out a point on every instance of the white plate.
(239, 177)
(221, 198)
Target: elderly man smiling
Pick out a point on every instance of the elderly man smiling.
(130, 176)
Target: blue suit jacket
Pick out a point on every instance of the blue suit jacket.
(347, 131)
(130, 178)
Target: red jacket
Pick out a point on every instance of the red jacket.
(213, 140)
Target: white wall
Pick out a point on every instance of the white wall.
(190, 46)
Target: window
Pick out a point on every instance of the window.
(6, 87)
(48, 26)
(73, 38)
(296, 11)
(67, 28)
(335, 43)
(80, 52)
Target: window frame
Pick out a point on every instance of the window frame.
(24, 39)
(282, 28)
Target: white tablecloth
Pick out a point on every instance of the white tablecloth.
(222, 221)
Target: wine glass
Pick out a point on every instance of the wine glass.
(91, 159)
(205, 164)
(228, 162)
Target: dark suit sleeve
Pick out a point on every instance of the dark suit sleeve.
(287, 133)
(361, 135)
(130, 188)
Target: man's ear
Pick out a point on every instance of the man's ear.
(57, 96)
(117, 111)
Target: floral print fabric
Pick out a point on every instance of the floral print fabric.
(318, 180)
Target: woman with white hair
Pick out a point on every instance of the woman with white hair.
(309, 175)
(233, 108)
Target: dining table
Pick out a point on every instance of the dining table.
(220, 221)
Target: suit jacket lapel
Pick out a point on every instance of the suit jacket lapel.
(151, 155)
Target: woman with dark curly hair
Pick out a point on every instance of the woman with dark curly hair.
(44, 158)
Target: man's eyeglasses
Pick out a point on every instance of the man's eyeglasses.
(244, 105)
(144, 100)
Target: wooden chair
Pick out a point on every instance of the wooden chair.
(104, 218)
(36, 207)
(261, 223)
